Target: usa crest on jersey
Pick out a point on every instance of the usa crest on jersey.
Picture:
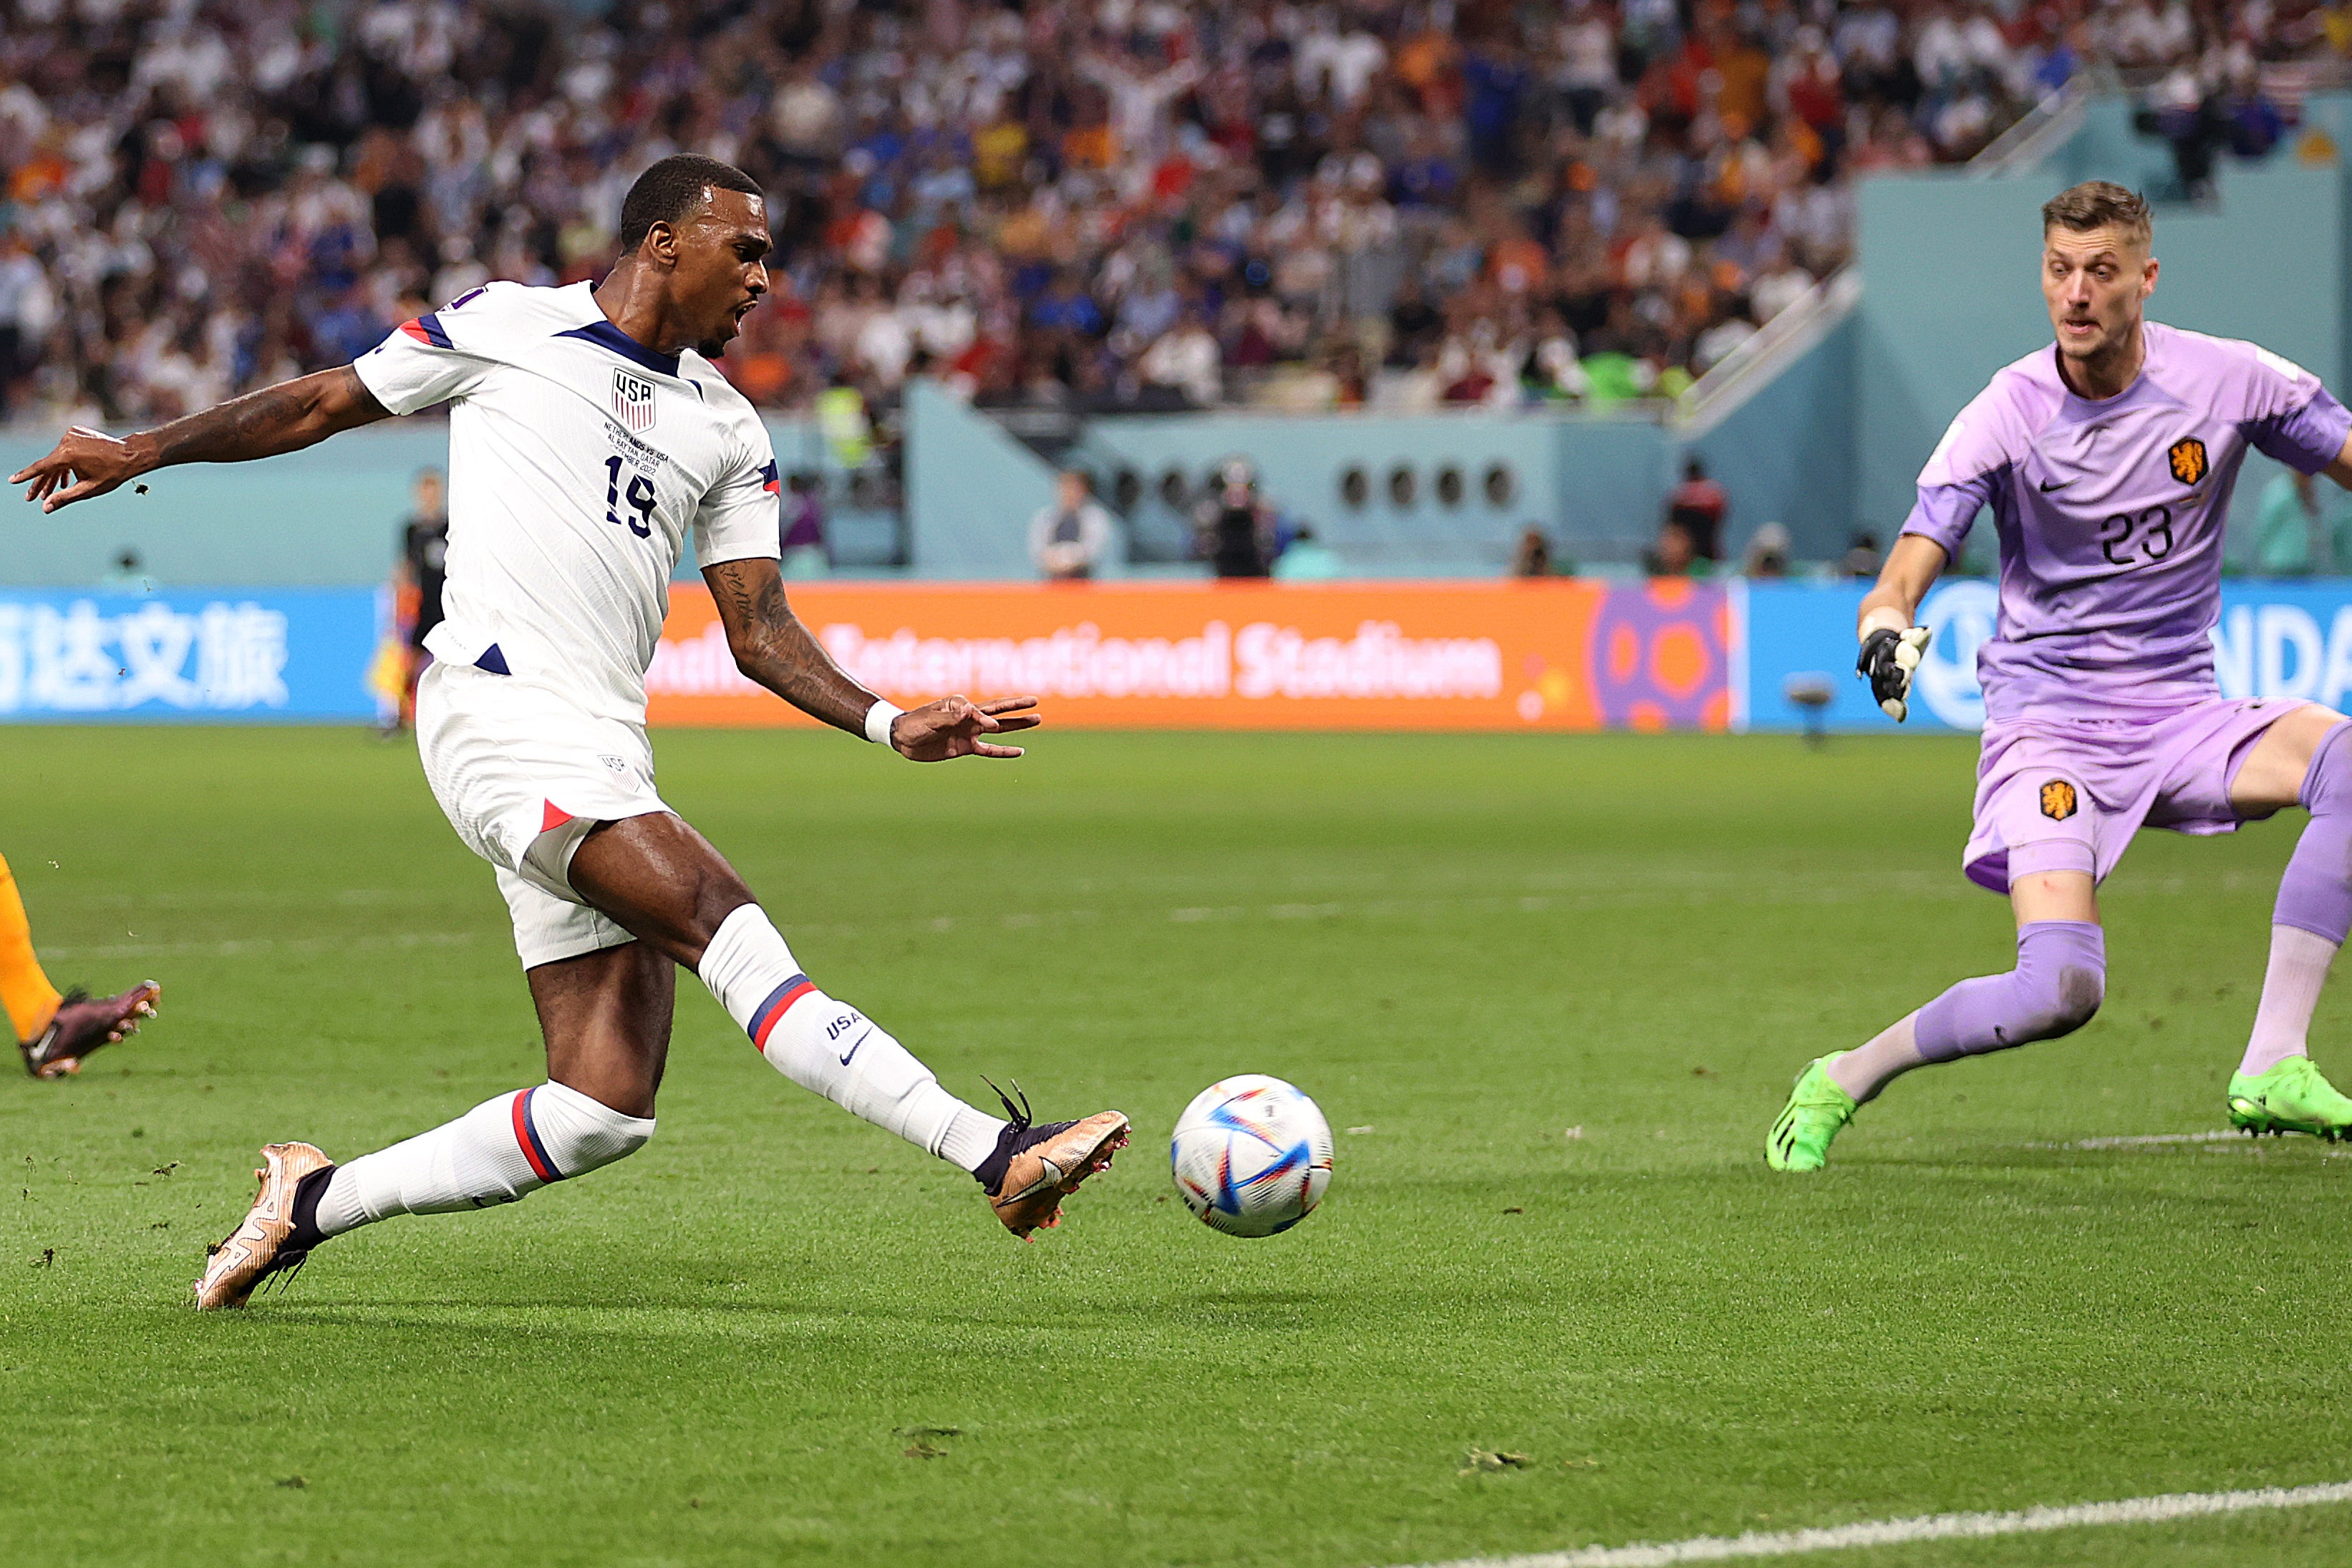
(632, 400)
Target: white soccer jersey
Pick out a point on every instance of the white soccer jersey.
(578, 458)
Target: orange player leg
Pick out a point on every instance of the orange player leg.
(30, 1000)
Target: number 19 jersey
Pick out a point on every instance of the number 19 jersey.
(2111, 516)
(579, 459)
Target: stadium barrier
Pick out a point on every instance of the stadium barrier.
(1568, 654)
(1560, 655)
(2275, 640)
(220, 655)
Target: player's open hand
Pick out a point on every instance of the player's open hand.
(86, 463)
(1889, 659)
(959, 727)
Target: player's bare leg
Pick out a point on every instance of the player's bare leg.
(2056, 989)
(606, 1018)
(606, 1015)
(2305, 758)
(661, 879)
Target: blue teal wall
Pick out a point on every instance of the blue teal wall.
(1591, 483)
(326, 517)
(1597, 484)
(320, 518)
(2107, 148)
(1787, 456)
(329, 515)
(971, 490)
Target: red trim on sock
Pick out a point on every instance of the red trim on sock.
(539, 1167)
(772, 1010)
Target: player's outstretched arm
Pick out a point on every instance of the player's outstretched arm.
(282, 418)
(771, 646)
(2340, 471)
(1892, 644)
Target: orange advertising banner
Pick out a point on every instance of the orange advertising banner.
(1559, 655)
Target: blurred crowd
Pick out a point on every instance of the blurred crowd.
(1088, 204)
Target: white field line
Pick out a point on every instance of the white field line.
(2146, 1140)
(1931, 1527)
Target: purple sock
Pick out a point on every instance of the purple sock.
(2315, 894)
(2060, 979)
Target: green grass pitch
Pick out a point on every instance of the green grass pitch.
(1550, 992)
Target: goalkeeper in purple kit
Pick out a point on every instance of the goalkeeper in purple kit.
(2107, 461)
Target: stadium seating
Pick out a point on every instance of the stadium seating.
(1129, 204)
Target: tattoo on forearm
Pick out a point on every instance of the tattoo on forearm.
(778, 652)
(240, 428)
(281, 419)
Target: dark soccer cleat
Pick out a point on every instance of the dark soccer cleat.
(257, 1248)
(1034, 1166)
(85, 1023)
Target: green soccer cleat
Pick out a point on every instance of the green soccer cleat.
(1817, 1108)
(2290, 1098)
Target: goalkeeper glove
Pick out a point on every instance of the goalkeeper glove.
(1888, 660)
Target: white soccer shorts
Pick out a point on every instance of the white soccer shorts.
(522, 773)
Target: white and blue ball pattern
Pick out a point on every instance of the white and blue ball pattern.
(1250, 1155)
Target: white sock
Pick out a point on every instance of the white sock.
(832, 1048)
(1886, 1056)
(495, 1154)
(2298, 968)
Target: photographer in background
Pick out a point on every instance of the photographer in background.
(1069, 539)
(1234, 525)
(1698, 505)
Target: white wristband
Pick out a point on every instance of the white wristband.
(877, 722)
(1886, 617)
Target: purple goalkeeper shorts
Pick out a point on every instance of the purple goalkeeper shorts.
(2068, 795)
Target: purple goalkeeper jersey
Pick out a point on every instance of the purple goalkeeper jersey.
(2111, 516)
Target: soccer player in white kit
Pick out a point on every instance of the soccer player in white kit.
(589, 435)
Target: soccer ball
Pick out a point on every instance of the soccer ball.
(1252, 1155)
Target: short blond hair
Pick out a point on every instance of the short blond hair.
(2098, 203)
